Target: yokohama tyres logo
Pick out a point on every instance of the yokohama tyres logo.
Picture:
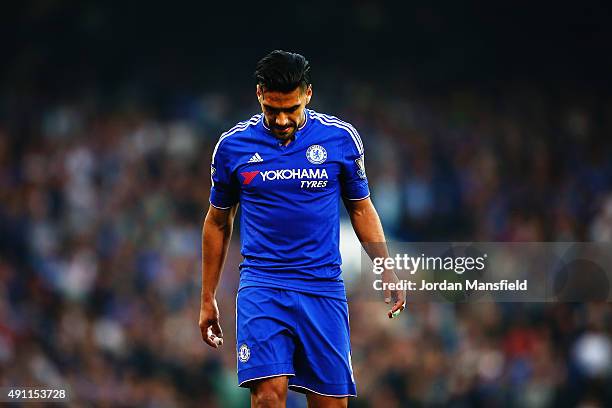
(285, 174)
(249, 176)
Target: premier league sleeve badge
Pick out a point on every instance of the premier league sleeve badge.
(360, 167)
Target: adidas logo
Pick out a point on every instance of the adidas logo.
(256, 158)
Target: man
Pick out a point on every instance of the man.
(288, 167)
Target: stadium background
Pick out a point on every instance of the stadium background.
(481, 122)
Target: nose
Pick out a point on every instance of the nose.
(281, 120)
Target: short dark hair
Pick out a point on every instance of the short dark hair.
(283, 71)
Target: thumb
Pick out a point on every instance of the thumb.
(387, 293)
(387, 277)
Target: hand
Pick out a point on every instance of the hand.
(398, 297)
(209, 323)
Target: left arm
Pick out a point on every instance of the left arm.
(368, 228)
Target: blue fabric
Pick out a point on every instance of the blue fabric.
(289, 197)
(284, 332)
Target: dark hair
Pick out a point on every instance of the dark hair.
(283, 71)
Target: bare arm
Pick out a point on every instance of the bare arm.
(216, 235)
(368, 228)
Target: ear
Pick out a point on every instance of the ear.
(259, 93)
(308, 94)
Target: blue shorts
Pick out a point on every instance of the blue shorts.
(305, 337)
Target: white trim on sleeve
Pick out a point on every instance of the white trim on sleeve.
(357, 199)
(219, 208)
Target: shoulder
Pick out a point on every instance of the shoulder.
(235, 136)
(341, 128)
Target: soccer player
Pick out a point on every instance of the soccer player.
(288, 167)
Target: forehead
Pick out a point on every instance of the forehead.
(282, 99)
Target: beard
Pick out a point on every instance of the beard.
(285, 133)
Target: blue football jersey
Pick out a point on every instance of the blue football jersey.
(289, 196)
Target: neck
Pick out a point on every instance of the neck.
(303, 120)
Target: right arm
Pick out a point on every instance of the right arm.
(216, 235)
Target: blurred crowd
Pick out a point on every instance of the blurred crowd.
(100, 223)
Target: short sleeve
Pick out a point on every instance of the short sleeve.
(224, 191)
(353, 176)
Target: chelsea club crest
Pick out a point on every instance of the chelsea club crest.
(316, 154)
(244, 353)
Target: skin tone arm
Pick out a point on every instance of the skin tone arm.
(368, 228)
(216, 235)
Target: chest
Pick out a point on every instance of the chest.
(306, 168)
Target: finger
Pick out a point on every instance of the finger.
(396, 309)
(215, 334)
(399, 305)
(203, 332)
(398, 296)
(209, 338)
(213, 340)
(216, 329)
